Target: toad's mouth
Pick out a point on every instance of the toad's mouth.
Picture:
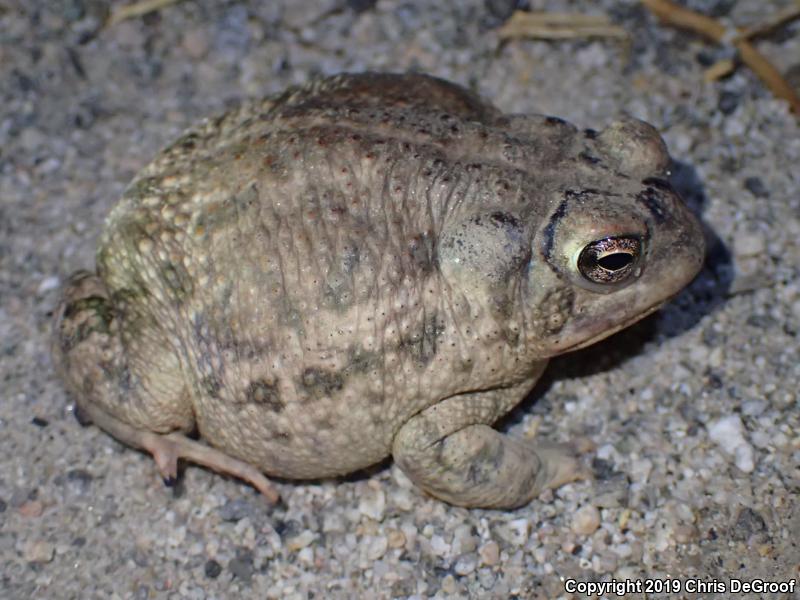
(603, 330)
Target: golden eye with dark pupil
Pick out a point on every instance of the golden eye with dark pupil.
(609, 260)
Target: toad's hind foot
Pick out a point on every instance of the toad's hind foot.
(168, 448)
(561, 462)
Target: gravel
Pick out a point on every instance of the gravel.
(693, 413)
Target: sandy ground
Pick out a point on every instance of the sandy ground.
(693, 412)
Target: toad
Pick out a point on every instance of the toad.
(368, 265)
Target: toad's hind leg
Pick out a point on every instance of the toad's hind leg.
(451, 452)
(133, 391)
(168, 448)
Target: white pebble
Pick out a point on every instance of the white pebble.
(377, 547)
(403, 499)
(699, 354)
(592, 56)
(753, 408)
(466, 564)
(373, 504)
(734, 127)
(332, 523)
(743, 457)
(749, 244)
(728, 433)
(439, 546)
(606, 452)
(663, 539)
(410, 533)
(640, 470)
(681, 143)
(622, 550)
(586, 520)
(47, 284)
(306, 555)
(463, 540)
(717, 357)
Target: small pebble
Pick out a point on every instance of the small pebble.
(39, 552)
(212, 569)
(79, 480)
(743, 458)
(586, 520)
(605, 563)
(306, 555)
(373, 504)
(333, 523)
(622, 550)
(685, 534)
(449, 584)
(490, 553)
(396, 538)
(640, 470)
(377, 547)
(755, 185)
(409, 532)
(31, 138)
(31, 509)
(235, 510)
(403, 499)
(748, 522)
(439, 546)
(463, 540)
(728, 101)
(728, 433)
(466, 564)
(47, 284)
(300, 541)
(486, 578)
(242, 566)
(749, 244)
(196, 43)
(514, 532)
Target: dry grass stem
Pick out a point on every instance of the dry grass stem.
(684, 18)
(787, 15)
(719, 69)
(559, 26)
(137, 9)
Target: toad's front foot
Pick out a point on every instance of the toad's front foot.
(465, 463)
(168, 448)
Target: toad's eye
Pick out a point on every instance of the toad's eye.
(610, 260)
